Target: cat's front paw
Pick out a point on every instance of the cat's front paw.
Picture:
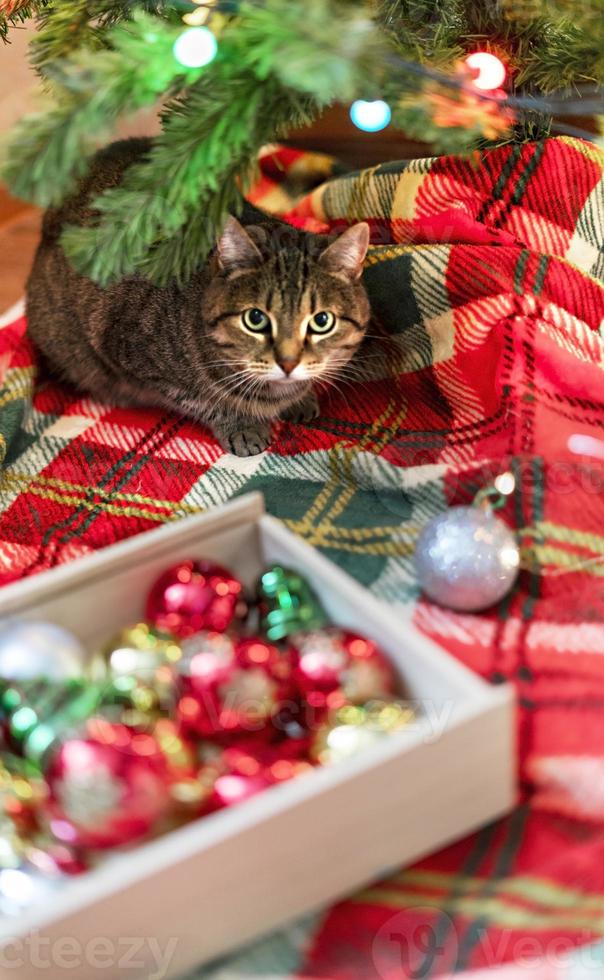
(250, 441)
(303, 412)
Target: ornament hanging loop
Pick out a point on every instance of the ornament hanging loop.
(494, 496)
(467, 558)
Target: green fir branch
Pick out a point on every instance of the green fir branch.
(66, 25)
(49, 150)
(20, 13)
(163, 218)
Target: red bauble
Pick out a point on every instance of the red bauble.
(231, 685)
(336, 667)
(235, 787)
(193, 596)
(54, 859)
(107, 787)
(245, 769)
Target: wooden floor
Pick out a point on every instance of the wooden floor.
(333, 133)
(18, 240)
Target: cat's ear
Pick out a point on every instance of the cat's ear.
(235, 249)
(345, 256)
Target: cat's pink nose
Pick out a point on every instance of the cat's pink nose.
(287, 364)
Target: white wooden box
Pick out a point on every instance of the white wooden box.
(222, 880)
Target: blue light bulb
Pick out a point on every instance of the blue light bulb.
(370, 116)
(195, 47)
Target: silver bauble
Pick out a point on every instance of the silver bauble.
(467, 559)
(39, 649)
(24, 887)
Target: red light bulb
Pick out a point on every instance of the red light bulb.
(488, 69)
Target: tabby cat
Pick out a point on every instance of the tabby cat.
(272, 312)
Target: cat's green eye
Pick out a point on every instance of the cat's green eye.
(322, 322)
(256, 320)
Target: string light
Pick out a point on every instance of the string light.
(195, 47)
(370, 116)
(488, 69)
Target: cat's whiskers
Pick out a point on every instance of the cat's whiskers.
(231, 396)
(337, 376)
(233, 369)
(241, 391)
(347, 374)
(225, 394)
(246, 396)
(228, 388)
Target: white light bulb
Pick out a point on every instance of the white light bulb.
(370, 116)
(195, 48)
(488, 68)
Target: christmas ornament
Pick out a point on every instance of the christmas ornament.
(467, 558)
(34, 714)
(181, 755)
(141, 650)
(231, 685)
(52, 858)
(220, 779)
(371, 117)
(234, 774)
(287, 604)
(23, 793)
(39, 861)
(39, 649)
(140, 661)
(195, 47)
(487, 69)
(193, 596)
(23, 888)
(108, 786)
(178, 717)
(230, 789)
(352, 728)
(336, 666)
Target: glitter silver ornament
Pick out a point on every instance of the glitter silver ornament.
(39, 649)
(467, 559)
(22, 888)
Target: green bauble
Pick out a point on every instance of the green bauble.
(36, 713)
(288, 604)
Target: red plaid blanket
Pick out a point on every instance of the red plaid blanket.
(486, 277)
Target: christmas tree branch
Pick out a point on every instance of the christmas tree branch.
(66, 25)
(49, 150)
(15, 12)
(163, 218)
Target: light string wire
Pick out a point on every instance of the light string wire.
(586, 99)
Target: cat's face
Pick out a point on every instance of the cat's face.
(286, 311)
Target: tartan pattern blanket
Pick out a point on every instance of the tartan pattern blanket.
(485, 279)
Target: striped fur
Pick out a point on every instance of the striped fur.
(189, 349)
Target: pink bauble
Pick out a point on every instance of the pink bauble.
(108, 786)
(243, 770)
(231, 685)
(336, 667)
(193, 596)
